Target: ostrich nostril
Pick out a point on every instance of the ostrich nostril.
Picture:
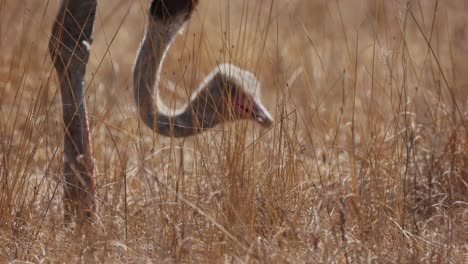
(262, 116)
(264, 121)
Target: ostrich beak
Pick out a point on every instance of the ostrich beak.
(261, 115)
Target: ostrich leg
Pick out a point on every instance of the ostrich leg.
(69, 48)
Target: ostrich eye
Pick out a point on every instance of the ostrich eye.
(243, 106)
(244, 109)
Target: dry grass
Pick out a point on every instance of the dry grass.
(368, 160)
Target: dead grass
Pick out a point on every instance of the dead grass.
(368, 160)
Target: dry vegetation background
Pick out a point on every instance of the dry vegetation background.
(367, 162)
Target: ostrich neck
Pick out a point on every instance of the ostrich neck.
(178, 122)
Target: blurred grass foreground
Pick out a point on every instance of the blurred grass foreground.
(367, 160)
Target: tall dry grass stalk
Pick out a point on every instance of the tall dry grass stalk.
(368, 160)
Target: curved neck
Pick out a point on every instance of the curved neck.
(177, 123)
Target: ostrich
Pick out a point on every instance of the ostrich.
(227, 94)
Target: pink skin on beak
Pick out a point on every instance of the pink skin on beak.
(254, 110)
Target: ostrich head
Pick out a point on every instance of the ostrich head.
(228, 94)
